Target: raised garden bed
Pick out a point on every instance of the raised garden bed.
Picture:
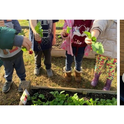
(57, 52)
(70, 96)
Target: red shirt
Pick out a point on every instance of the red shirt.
(78, 28)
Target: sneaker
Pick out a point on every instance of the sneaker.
(49, 73)
(20, 90)
(37, 71)
(6, 86)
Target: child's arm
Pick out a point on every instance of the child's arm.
(95, 33)
(54, 34)
(17, 26)
(33, 23)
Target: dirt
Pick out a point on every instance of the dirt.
(50, 97)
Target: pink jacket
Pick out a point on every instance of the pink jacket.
(66, 45)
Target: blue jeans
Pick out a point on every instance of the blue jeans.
(16, 63)
(78, 57)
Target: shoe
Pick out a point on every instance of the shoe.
(67, 75)
(77, 75)
(7, 86)
(95, 79)
(37, 71)
(107, 85)
(49, 72)
(20, 90)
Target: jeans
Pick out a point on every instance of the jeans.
(78, 57)
(16, 63)
(47, 60)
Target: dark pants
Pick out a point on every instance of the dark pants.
(78, 57)
(16, 63)
(47, 58)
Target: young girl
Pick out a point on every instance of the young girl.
(106, 32)
(74, 45)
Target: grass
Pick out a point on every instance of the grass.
(24, 22)
(12, 98)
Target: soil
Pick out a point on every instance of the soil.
(50, 97)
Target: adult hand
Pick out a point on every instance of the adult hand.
(37, 37)
(88, 41)
(27, 43)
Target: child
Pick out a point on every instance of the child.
(12, 58)
(48, 39)
(74, 46)
(106, 32)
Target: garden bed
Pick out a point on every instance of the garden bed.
(70, 96)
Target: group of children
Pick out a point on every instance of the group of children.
(75, 43)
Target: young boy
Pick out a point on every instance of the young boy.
(48, 39)
(12, 58)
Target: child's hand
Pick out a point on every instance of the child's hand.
(37, 37)
(64, 33)
(27, 43)
(88, 41)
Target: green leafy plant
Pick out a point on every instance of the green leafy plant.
(67, 32)
(107, 102)
(68, 29)
(25, 49)
(38, 29)
(96, 46)
(62, 98)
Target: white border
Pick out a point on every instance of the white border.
(91, 9)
